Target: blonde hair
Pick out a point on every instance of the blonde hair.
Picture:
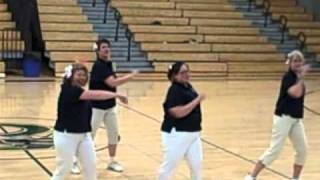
(293, 55)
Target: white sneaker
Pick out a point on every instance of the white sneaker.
(115, 166)
(75, 169)
(249, 177)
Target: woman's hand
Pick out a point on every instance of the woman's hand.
(202, 97)
(122, 98)
(304, 70)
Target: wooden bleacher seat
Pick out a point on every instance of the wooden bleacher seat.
(69, 46)
(286, 9)
(252, 57)
(72, 27)
(4, 24)
(3, 7)
(237, 67)
(313, 40)
(280, 3)
(144, 5)
(46, 9)
(169, 56)
(176, 47)
(69, 36)
(170, 38)
(162, 29)
(58, 18)
(308, 32)
(205, 7)
(228, 31)
(212, 14)
(201, 1)
(5, 16)
(235, 39)
(314, 48)
(220, 22)
(58, 2)
(149, 20)
(72, 56)
(239, 48)
(303, 24)
(293, 17)
(149, 12)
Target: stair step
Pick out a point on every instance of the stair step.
(119, 48)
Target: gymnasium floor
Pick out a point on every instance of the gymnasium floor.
(236, 130)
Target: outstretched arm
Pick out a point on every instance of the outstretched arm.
(102, 95)
(114, 82)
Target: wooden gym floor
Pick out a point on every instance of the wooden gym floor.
(236, 130)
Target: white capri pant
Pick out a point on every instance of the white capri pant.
(179, 145)
(110, 120)
(68, 145)
(283, 127)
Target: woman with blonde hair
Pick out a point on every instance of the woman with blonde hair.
(287, 119)
(72, 130)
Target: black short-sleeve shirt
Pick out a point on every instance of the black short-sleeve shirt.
(74, 115)
(287, 105)
(102, 70)
(179, 95)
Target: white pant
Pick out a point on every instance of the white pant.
(283, 127)
(68, 145)
(179, 145)
(110, 120)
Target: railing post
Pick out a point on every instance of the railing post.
(284, 22)
(249, 5)
(106, 11)
(117, 16)
(302, 38)
(93, 3)
(129, 37)
(267, 6)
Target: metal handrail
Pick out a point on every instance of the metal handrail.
(250, 3)
(267, 6)
(118, 18)
(301, 40)
(129, 36)
(284, 22)
(106, 3)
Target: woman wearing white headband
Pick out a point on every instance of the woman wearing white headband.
(72, 130)
(287, 120)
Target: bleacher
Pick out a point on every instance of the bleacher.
(298, 21)
(211, 35)
(10, 38)
(67, 34)
(206, 33)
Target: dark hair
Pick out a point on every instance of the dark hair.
(76, 67)
(174, 69)
(102, 41)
